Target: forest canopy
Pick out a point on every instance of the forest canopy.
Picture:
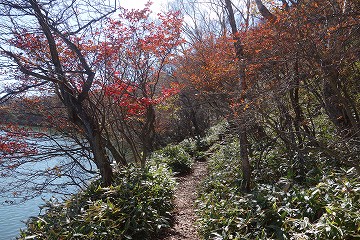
(280, 77)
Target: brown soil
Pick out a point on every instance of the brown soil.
(184, 215)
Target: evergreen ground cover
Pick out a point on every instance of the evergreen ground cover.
(282, 205)
(137, 206)
(322, 204)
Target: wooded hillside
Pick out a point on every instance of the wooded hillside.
(278, 80)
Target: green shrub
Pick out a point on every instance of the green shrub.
(137, 206)
(175, 157)
(213, 135)
(284, 209)
(329, 210)
(189, 145)
(195, 148)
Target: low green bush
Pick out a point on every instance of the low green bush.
(284, 209)
(189, 145)
(137, 206)
(329, 210)
(195, 148)
(175, 157)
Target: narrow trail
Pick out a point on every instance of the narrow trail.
(184, 214)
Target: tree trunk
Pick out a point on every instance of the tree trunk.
(101, 160)
(245, 163)
(73, 100)
(264, 11)
(336, 106)
(148, 134)
(301, 128)
(119, 159)
(244, 154)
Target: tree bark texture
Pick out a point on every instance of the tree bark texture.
(243, 139)
(264, 11)
(75, 105)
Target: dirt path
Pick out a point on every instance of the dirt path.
(185, 195)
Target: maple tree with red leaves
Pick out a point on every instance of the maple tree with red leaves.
(283, 75)
(109, 73)
(112, 74)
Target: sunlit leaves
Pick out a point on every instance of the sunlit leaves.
(210, 65)
(137, 206)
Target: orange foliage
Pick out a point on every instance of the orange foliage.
(210, 65)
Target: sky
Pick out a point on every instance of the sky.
(129, 4)
(139, 4)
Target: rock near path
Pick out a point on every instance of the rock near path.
(184, 214)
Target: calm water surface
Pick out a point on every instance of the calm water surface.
(14, 216)
(11, 217)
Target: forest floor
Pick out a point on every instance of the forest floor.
(184, 214)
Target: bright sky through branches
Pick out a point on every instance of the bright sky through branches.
(139, 4)
(157, 6)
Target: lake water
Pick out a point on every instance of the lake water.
(13, 216)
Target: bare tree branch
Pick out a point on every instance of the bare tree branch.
(264, 11)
